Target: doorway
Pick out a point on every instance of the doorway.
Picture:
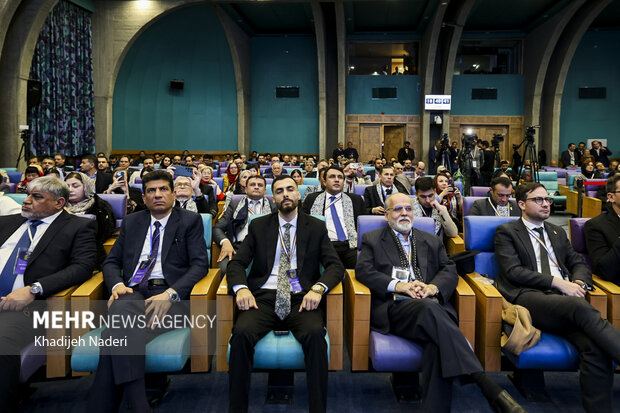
(393, 140)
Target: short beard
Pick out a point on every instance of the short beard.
(403, 228)
(287, 209)
(28, 215)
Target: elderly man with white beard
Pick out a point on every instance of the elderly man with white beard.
(411, 280)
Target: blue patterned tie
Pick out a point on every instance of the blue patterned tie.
(153, 255)
(7, 279)
(337, 224)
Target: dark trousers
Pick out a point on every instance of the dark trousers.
(447, 354)
(348, 255)
(597, 341)
(16, 332)
(121, 370)
(252, 325)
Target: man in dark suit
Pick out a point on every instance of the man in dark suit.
(600, 153)
(375, 195)
(411, 280)
(282, 291)
(570, 157)
(498, 204)
(350, 152)
(374, 174)
(276, 170)
(341, 210)
(540, 271)
(42, 251)
(158, 257)
(603, 235)
(231, 229)
(339, 151)
(102, 179)
(406, 153)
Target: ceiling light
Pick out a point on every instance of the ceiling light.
(143, 4)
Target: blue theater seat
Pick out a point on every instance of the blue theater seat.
(550, 353)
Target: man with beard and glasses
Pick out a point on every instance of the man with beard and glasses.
(411, 280)
(283, 291)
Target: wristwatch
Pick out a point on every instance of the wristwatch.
(35, 289)
(174, 297)
(318, 288)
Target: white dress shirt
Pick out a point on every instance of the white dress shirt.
(257, 207)
(9, 245)
(555, 270)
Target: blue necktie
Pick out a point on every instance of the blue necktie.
(337, 224)
(153, 255)
(7, 278)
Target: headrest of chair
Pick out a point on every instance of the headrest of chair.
(577, 234)
(468, 202)
(480, 231)
(366, 223)
(206, 223)
(548, 176)
(118, 202)
(359, 189)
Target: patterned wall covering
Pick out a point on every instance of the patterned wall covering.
(64, 119)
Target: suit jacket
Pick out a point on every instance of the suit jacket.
(517, 260)
(373, 199)
(602, 157)
(259, 250)
(404, 154)
(379, 255)
(566, 158)
(227, 227)
(603, 243)
(337, 152)
(102, 181)
(183, 254)
(350, 221)
(269, 174)
(482, 207)
(63, 257)
(404, 183)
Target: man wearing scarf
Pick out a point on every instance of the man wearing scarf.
(188, 196)
(231, 229)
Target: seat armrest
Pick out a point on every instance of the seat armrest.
(598, 299)
(333, 309)
(57, 363)
(108, 244)
(225, 313)
(488, 321)
(613, 299)
(455, 245)
(357, 321)
(202, 303)
(465, 304)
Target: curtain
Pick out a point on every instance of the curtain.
(64, 119)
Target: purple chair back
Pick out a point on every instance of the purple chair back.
(561, 173)
(359, 189)
(12, 187)
(468, 202)
(367, 223)
(15, 177)
(268, 181)
(479, 191)
(219, 182)
(578, 237)
(118, 202)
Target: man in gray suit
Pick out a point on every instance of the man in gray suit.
(231, 229)
(411, 280)
(498, 204)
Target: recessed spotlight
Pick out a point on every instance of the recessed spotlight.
(143, 4)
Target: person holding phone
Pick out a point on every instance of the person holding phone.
(120, 186)
(449, 195)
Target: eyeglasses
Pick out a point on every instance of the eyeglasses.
(399, 209)
(182, 184)
(539, 200)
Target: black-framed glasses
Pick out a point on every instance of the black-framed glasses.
(539, 200)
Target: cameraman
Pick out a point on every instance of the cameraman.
(489, 160)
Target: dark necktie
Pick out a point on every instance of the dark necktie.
(336, 220)
(283, 293)
(544, 257)
(7, 279)
(152, 256)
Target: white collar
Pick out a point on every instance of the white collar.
(163, 221)
(529, 225)
(50, 219)
(293, 221)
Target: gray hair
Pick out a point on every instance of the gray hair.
(52, 185)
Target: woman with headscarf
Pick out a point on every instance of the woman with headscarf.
(449, 196)
(231, 177)
(588, 171)
(84, 200)
(31, 173)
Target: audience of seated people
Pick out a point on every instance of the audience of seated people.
(334, 198)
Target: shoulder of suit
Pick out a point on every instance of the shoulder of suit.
(425, 236)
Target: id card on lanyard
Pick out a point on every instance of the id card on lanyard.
(493, 206)
(23, 255)
(291, 275)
